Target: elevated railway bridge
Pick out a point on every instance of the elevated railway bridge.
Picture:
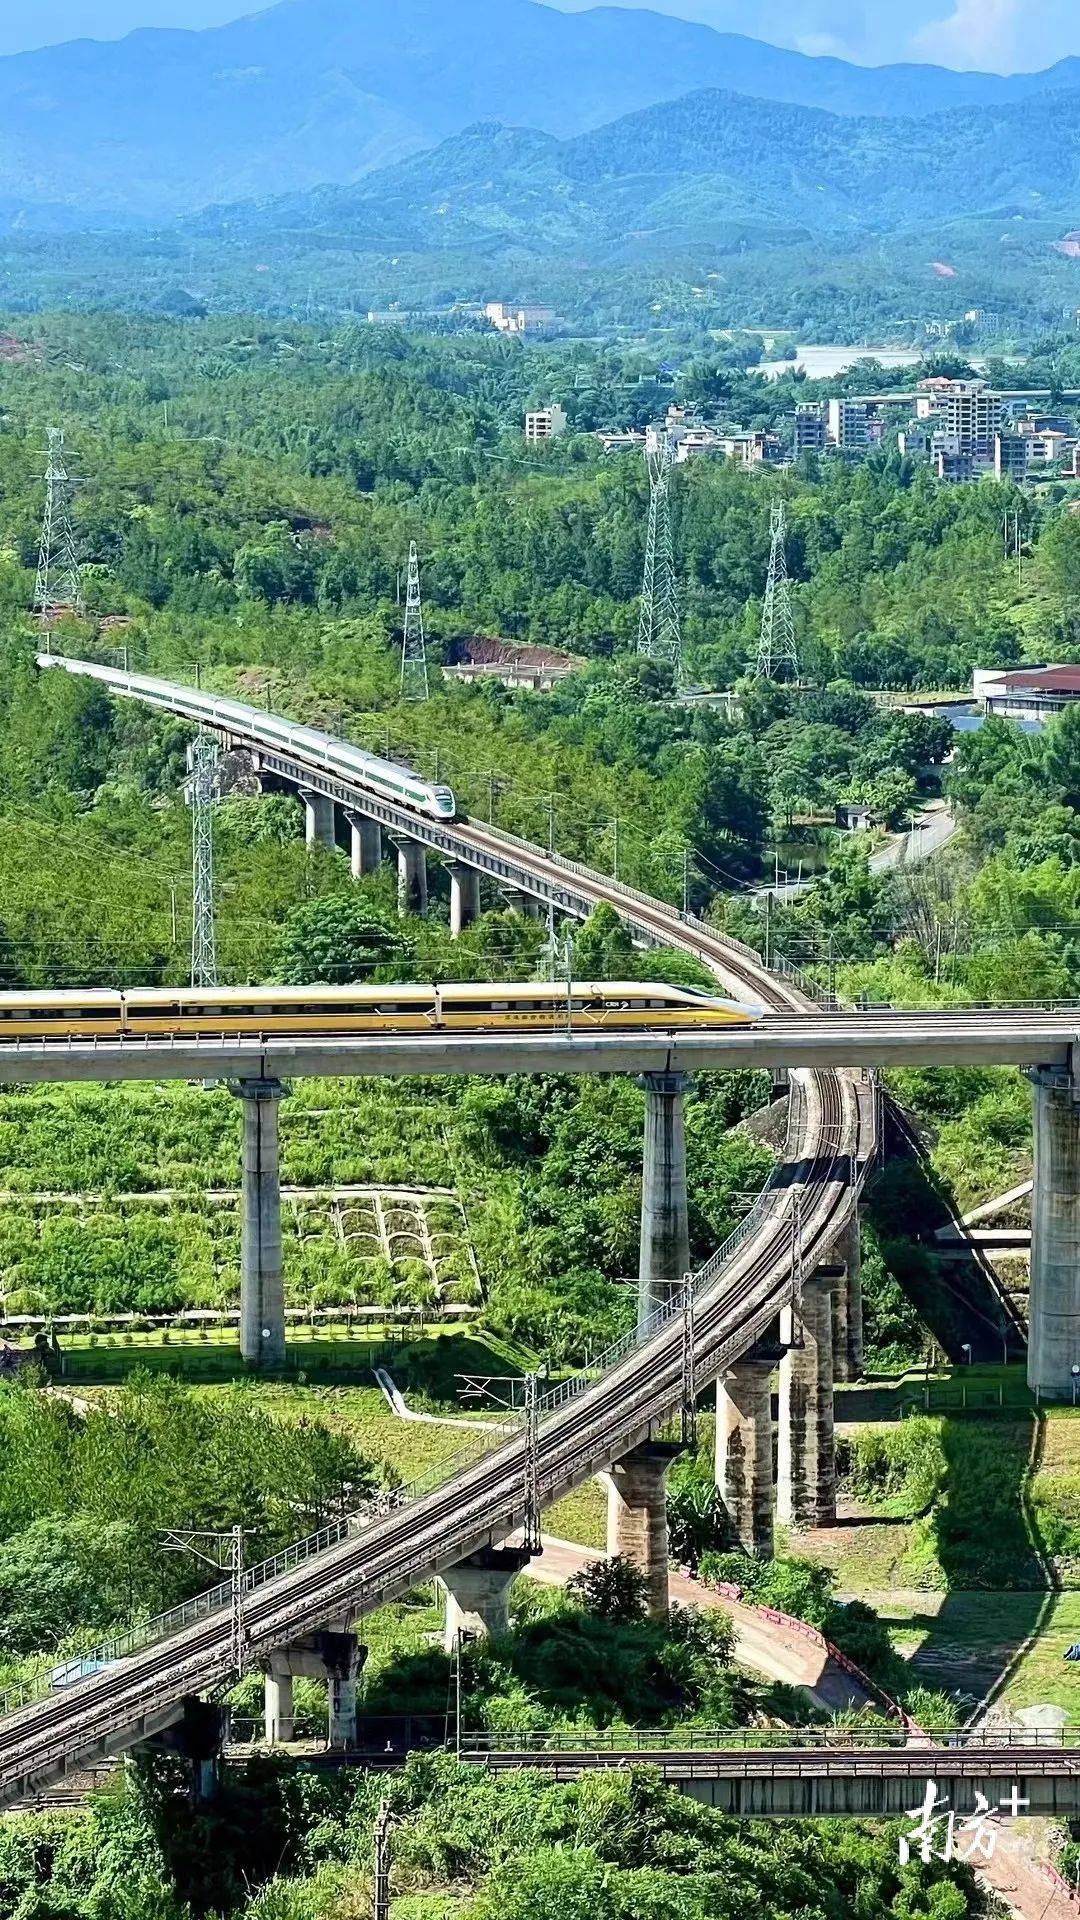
(786, 1286)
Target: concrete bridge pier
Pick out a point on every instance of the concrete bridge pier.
(464, 897)
(334, 1656)
(278, 1704)
(664, 1255)
(847, 1304)
(412, 877)
(365, 844)
(806, 1455)
(478, 1593)
(520, 902)
(262, 1286)
(744, 1449)
(637, 1516)
(1054, 1300)
(318, 818)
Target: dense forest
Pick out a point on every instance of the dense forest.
(283, 1845)
(245, 499)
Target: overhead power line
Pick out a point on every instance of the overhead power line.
(777, 655)
(659, 628)
(58, 587)
(414, 669)
(205, 753)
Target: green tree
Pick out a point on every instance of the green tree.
(612, 1589)
(338, 939)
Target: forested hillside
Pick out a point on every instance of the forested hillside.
(246, 501)
(676, 174)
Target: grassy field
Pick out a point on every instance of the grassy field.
(316, 1353)
(962, 1528)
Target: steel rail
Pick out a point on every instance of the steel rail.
(804, 1210)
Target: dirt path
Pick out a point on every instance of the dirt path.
(1014, 1876)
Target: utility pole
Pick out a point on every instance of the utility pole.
(381, 1905)
(686, 882)
(659, 627)
(462, 1638)
(414, 672)
(688, 1411)
(615, 848)
(796, 1241)
(205, 753)
(777, 655)
(58, 586)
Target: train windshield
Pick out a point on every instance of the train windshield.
(444, 800)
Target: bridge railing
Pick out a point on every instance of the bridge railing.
(856, 1737)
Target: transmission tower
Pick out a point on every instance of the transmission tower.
(777, 657)
(414, 673)
(204, 779)
(659, 635)
(58, 588)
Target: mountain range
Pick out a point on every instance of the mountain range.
(314, 93)
(697, 173)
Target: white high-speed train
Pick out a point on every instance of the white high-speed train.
(380, 776)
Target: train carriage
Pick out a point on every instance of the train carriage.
(311, 1012)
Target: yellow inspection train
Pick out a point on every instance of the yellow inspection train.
(181, 1013)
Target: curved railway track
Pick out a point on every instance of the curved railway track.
(582, 1431)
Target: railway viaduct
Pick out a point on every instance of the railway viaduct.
(783, 1292)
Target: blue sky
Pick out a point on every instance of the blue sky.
(1002, 35)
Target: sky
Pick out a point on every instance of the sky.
(1002, 36)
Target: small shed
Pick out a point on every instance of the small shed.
(854, 816)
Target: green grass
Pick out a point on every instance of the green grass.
(967, 1587)
(580, 1516)
(314, 1354)
(980, 1388)
(1010, 1646)
(410, 1448)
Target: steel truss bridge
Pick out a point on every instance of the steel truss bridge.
(585, 1424)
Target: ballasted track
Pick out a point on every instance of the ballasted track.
(486, 1501)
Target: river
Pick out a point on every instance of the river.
(823, 363)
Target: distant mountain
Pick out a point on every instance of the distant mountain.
(684, 175)
(316, 91)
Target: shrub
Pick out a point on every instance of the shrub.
(612, 1589)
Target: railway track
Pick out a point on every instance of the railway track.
(585, 1425)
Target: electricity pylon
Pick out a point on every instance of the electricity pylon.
(58, 587)
(777, 655)
(659, 634)
(203, 785)
(414, 673)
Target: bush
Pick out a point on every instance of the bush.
(612, 1589)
